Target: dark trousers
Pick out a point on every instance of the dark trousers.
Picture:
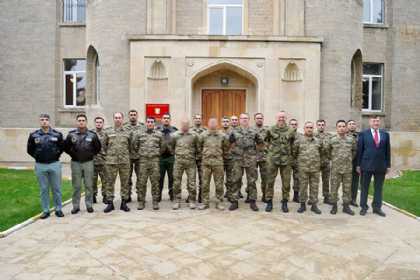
(167, 166)
(378, 186)
(355, 181)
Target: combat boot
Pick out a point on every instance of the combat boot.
(302, 207)
(253, 205)
(124, 206)
(109, 207)
(269, 206)
(334, 209)
(141, 205)
(315, 209)
(284, 207)
(155, 205)
(176, 205)
(233, 206)
(296, 196)
(347, 210)
(220, 206)
(192, 205)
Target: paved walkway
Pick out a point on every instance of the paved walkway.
(190, 244)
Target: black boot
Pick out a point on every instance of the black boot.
(334, 209)
(302, 207)
(247, 200)
(327, 200)
(129, 199)
(284, 207)
(315, 209)
(296, 196)
(124, 206)
(171, 195)
(233, 206)
(109, 207)
(253, 205)
(347, 210)
(199, 198)
(269, 206)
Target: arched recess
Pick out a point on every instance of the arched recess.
(356, 80)
(93, 75)
(292, 73)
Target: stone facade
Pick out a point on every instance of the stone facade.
(294, 55)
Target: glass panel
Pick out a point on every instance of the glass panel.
(365, 93)
(81, 11)
(372, 69)
(74, 65)
(215, 21)
(233, 20)
(80, 89)
(366, 11)
(68, 88)
(378, 11)
(225, 2)
(376, 93)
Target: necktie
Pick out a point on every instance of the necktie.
(376, 138)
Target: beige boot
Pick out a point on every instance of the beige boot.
(176, 206)
(220, 206)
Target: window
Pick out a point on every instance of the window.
(373, 11)
(74, 11)
(225, 17)
(372, 86)
(74, 82)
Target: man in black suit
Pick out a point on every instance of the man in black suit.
(373, 160)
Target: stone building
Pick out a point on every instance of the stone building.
(329, 59)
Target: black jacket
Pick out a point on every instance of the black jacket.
(166, 145)
(371, 158)
(82, 147)
(45, 147)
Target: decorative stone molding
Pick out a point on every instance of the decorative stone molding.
(158, 71)
(292, 73)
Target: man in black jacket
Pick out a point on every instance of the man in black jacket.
(45, 145)
(82, 145)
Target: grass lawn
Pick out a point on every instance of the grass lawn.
(403, 192)
(19, 196)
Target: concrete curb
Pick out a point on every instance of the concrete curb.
(402, 211)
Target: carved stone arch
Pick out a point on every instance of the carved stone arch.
(93, 70)
(158, 71)
(292, 73)
(356, 80)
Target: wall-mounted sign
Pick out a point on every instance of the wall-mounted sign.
(156, 110)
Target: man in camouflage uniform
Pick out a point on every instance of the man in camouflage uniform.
(198, 129)
(117, 142)
(135, 127)
(185, 146)
(352, 131)
(280, 138)
(167, 159)
(342, 150)
(234, 124)
(212, 145)
(308, 150)
(293, 123)
(99, 161)
(245, 141)
(324, 136)
(262, 154)
(227, 161)
(148, 145)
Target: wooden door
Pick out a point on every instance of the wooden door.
(222, 102)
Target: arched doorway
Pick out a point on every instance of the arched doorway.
(223, 89)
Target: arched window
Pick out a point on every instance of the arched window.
(93, 68)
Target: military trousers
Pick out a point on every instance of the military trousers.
(262, 166)
(112, 170)
(82, 172)
(149, 171)
(326, 175)
(134, 168)
(189, 167)
(337, 179)
(310, 179)
(251, 177)
(295, 177)
(285, 174)
(199, 166)
(215, 171)
(99, 172)
(228, 168)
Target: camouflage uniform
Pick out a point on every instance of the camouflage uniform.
(212, 146)
(325, 164)
(199, 130)
(148, 145)
(134, 157)
(262, 164)
(186, 150)
(279, 157)
(245, 159)
(342, 151)
(99, 165)
(355, 176)
(228, 168)
(117, 160)
(295, 174)
(308, 151)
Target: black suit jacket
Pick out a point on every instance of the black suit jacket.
(371, 158)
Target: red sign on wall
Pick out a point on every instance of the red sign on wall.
(156, 110)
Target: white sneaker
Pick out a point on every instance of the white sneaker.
(192, 205)
(220, 206)
(176, 206)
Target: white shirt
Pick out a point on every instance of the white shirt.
(373, 134)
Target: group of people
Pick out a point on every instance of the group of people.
(153, 151)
